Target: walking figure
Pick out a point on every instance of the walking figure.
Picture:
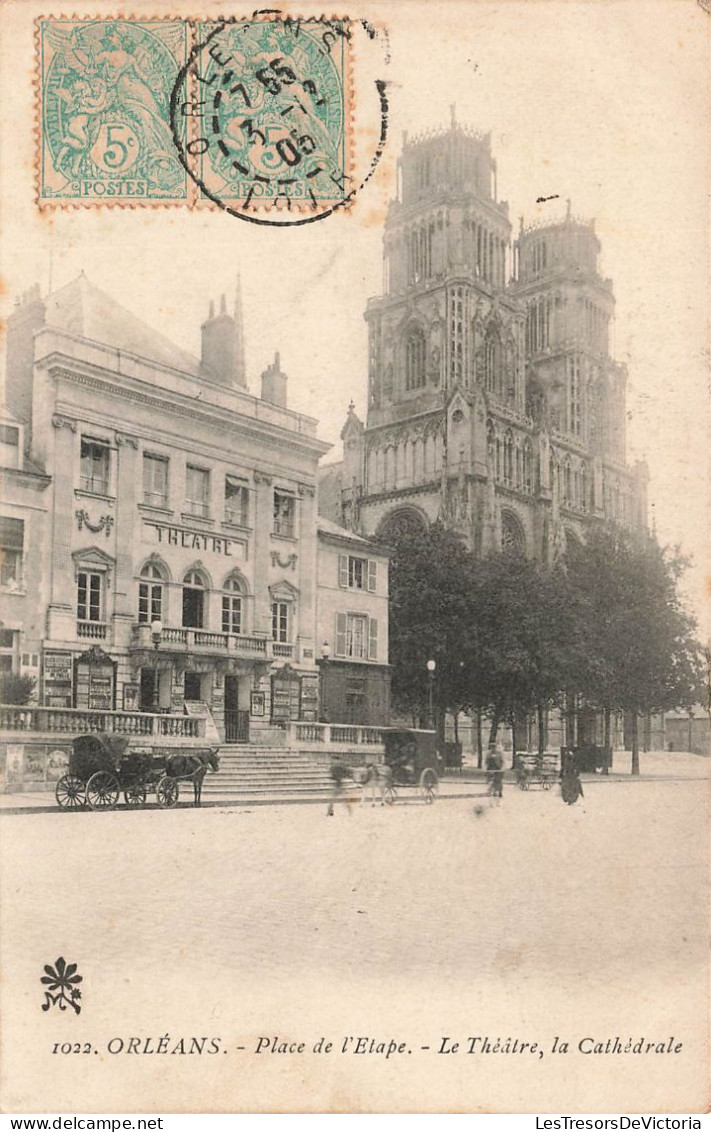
(570, 785)
(339, 773)
(495, 769)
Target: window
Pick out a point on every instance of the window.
(155, 480)
(492, 364)
(232, 606)
(284, 512)
(357, 573)
(356, 636)
(9, 446)
(12, 536)
(197, 491)
(575, 415)
(280, 621)
(94, 473)
(415, 360)
(236, 501)
(7, 650)
(193, 600)
(89, 596)
(150, 594)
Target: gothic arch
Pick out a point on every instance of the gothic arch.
(513, 536)
(402, 520)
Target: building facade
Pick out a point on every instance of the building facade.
(493, 401)
(160, 525)
(352, 598)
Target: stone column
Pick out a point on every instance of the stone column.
(126, 499)
(263, 523)
(61, 613)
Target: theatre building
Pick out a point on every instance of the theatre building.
(179, 563)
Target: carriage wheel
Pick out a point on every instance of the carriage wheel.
(167, 792)
(102, 790)
(70, 793)
(135, 795)
(428, 786)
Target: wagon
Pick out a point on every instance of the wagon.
(536, 770)
(102, 766)
(412, 761)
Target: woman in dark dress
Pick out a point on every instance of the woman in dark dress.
(570, 786)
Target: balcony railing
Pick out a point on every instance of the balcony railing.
(94, 629)
(77, 721)
(203, 640)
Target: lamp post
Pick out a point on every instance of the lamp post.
(325, 656)
(431, 666)
(156, 634)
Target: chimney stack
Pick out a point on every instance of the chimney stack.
(222, 354)
(274, 384)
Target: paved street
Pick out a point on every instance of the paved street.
(530, 913)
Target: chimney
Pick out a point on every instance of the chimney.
(274, 384)
(26, 319)
(222, 353)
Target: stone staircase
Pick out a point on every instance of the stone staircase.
(250, 773)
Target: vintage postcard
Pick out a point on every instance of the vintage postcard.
(354, 727)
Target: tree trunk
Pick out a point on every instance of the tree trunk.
(479, 740)
(606, 739)
(635, 744)
(455, 717)
(541, 728)
(494, 726)
(512, 724)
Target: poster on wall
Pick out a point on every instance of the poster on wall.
(131, 695)
(309, 698)
(58, 679)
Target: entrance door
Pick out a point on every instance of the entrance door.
(236, 719)
(193, 686)
(148, 689)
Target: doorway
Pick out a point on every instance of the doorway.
(192, 687)
(148, 689)
(236, 718)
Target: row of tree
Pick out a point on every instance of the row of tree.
(604, 627)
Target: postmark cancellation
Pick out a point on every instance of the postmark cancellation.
(254, 116)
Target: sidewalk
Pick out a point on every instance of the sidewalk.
(655, 766)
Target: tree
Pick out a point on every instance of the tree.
(430, 599)
(16, 689)
(641, 652)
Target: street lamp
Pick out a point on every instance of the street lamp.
(431, 665)
(325, 656)
(156, 634)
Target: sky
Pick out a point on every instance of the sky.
(604, 103)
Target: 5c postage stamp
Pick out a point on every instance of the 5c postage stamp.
(251, 115)
(104, 111)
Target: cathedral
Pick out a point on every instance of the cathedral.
(494, 404)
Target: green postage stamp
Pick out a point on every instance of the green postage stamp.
(104, 111)
(248, 115)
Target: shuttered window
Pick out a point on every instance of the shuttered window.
(356, 636)
(357, 573)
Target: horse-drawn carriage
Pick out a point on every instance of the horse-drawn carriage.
(411, 761)
(536, 770)
(103, 766)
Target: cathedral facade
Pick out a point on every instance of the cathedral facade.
(494, 403)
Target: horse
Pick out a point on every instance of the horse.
(379, 778)
(195, 766)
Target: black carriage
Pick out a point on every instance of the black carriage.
(103, 766)
(413, 760)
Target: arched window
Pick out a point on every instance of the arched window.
(527, 467)
(508, 458)
(567, 483)
(151, 603)
(583, 488)
(491, 444)
(232, 605)
(194, 600)
(513, 539)
(415, 369)
(492, 363)
(403, 522)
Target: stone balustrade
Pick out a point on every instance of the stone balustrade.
(77, 721)
(301, 734)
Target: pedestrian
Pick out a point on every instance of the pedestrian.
(570, 785)
(339, 773)
(495, 768)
